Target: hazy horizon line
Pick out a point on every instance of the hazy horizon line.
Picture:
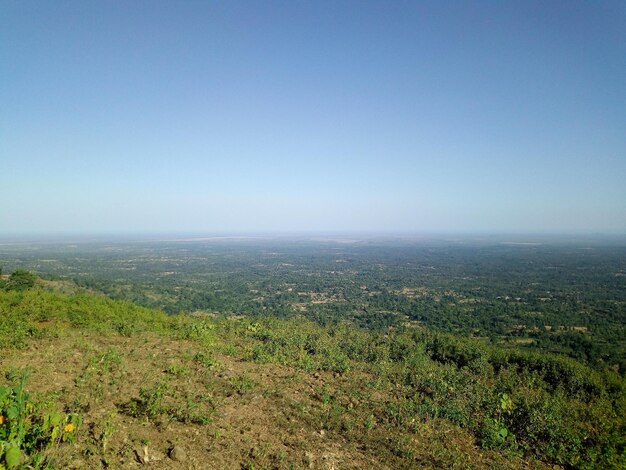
(360, 235)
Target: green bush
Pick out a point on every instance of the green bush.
(20, 280)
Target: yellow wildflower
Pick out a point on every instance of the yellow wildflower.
(69, 427)
(1, 419)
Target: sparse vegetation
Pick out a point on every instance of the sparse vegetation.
(381, 390)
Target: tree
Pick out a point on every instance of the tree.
(21, 279)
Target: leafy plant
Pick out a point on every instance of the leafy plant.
(494, 434)
(178, 370)
(28, 429)
(149, 403)
(205, 359)
(242, 383)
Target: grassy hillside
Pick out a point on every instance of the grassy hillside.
(90, 382)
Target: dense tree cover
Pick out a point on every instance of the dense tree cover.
(543, 406)
(21, 279)
(568, 298)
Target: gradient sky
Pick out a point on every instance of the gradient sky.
(256, 116)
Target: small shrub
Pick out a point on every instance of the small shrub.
(149, 404)
(242, 383)
(205, 359)
(29, 430)
(495, 435)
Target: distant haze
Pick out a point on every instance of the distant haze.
(325, 116)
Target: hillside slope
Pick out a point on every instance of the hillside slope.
(114, 385)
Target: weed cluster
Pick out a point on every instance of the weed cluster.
(160, 402)
(29, 430)
(551, 407)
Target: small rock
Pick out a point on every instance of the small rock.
(142, 455)
(178, 454)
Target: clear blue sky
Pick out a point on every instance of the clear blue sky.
(231, 117)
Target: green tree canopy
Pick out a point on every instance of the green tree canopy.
(21, 279)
